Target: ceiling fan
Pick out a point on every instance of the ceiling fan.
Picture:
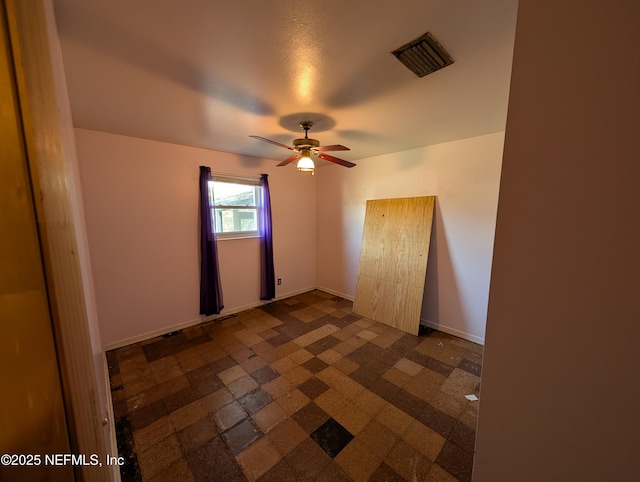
(306, 147)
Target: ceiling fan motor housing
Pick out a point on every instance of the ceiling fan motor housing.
(305, 143)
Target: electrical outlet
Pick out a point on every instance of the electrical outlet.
(279, 281)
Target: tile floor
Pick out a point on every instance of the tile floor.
(299, 389)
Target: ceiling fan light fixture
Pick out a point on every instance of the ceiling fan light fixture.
(306, 164)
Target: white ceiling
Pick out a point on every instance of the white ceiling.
(209, 73)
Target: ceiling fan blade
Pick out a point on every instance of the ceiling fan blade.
(271, 142)
(335, 160)
(289, 160)
(336, 147)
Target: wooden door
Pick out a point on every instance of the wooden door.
(32, 417)
(47, 133)
(393, 261)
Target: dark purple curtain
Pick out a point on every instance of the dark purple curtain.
(210, 288)
(267, 272)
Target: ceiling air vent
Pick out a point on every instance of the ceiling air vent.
(423, 56)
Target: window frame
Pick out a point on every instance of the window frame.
(234, 179)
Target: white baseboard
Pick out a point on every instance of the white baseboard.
(290, 294)
(335, 293)
(152, 334)
(430, 324)
(238, 309)
(186, 324)
(452, 331)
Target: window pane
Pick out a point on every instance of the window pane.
(227, 194)
(236, 220)
(235, 207)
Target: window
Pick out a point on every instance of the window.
(235, 206)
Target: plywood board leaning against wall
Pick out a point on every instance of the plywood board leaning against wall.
(393, 261)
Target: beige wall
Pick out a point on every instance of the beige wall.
(141, 205)
(140, 200)
(464, 175)
(559, 397)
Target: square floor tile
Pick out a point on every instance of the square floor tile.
(149, 435)
(270, 416)
(195, 436)
(424, 439)
(280, 472)
(408, 462)
(384, 473)
(188, 414)
(378, 438)
(310, 417)
(308, 459)
(286, 436)
(214, 457)
(242, 386)
(353, 418)
(333, 473)
(231, 374)
(358, 461)
(241, 436)
(292, 401)
(456, 461)
(264, 375)
(254, 401)
(332, 437)
(258, 458)
(159, 456)
(229, 415)
(313, 388)
(315, 365)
